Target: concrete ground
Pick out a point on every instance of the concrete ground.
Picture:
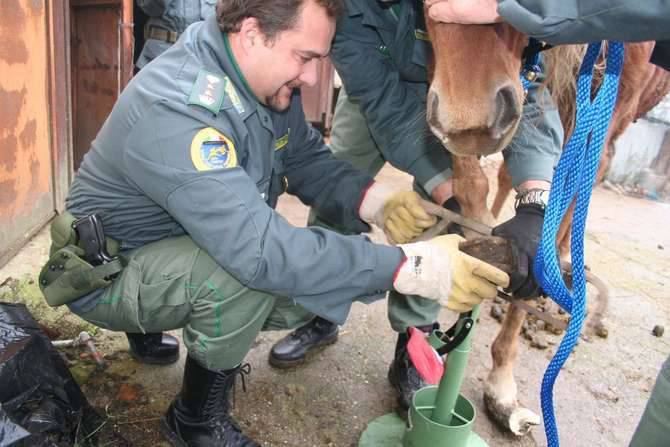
(599, 395)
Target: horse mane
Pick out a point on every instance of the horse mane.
(642, 84)
(562, 68)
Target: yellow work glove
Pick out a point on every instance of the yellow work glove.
(398, 213)
(403, 217)
(438, 270)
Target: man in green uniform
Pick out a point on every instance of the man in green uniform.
(583, 21)
(185, 174)
(381, 51)
(167, 19)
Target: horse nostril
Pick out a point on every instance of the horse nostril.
(507, 111)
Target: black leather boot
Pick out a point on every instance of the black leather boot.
(402, 374)
(199, 415)
(156, 348)
(297, 346)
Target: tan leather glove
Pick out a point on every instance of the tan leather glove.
(398, 213)
(438, 270)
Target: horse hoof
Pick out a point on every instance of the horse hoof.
(521, 420)
(509, 416)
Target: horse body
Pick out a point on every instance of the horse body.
(474, 107)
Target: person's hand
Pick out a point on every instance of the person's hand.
(403, 217)
(398, 213)
(438, 270)
(524, 231)
(467, 12)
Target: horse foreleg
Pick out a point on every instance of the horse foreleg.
(500, 390)
(471, 187)
(504, 188)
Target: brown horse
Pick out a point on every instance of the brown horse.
(474, 107)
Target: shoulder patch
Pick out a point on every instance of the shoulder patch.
(208, 91)
(210, 149)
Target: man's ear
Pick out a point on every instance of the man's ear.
(250, 33)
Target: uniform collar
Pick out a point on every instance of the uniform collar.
(238, 72)
(217, 53)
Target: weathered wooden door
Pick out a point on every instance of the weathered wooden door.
(62, 65)
(26, 139)
(102, 64)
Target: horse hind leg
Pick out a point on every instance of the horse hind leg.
(500, 389)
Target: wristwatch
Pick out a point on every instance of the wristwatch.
(533, 196)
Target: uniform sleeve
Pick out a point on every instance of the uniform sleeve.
(153, 8)
(333, 187)
(222, 211)
(661, 54)
(581, 21)
(394, 111)
(536, 146)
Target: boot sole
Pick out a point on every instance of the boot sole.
(287, 364)
(171, 436)
(154, 360)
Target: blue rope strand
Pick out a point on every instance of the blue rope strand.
(573, 178)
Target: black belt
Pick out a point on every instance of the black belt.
(155, 32)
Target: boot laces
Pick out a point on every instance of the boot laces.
(218, 405)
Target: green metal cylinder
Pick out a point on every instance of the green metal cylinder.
(422, 431)
(450, 384)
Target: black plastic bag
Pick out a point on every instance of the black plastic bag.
(40, 402)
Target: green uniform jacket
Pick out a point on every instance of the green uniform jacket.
(580, 21)
(381, 56)
(187, 149)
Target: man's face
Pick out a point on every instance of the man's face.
(290, 60)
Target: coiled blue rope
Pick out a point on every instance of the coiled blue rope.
(574, 177)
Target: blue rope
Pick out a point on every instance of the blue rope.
(574, 177)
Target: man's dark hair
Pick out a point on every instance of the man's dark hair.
(274, 16)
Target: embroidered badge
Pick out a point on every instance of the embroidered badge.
(282, 141)
(420, 34)
(208, 91)
(210, 149)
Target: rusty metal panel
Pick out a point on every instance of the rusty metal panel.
(101, 50)
(317, 101)
(26, 197)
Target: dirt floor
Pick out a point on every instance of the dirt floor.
(599, 395)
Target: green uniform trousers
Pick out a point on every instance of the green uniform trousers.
(654, 427)
(173, 284)
(351, 141)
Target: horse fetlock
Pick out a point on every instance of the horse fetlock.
(501, 389)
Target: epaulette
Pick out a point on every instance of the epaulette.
(208, 91)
